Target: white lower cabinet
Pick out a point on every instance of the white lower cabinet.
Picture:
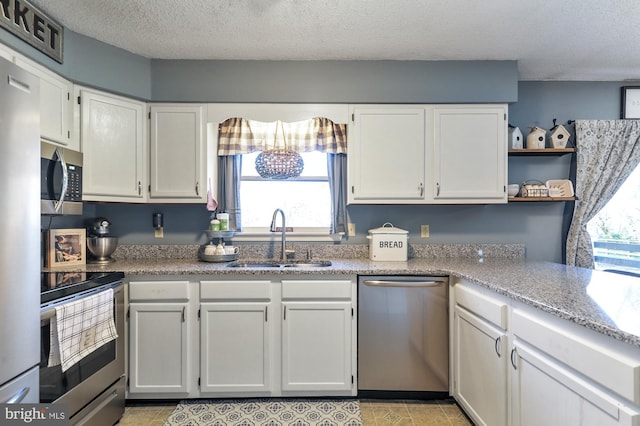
(160, 338)
(480, 370)
(316, 346)
(235, 337)
(479, 356)
(259, 337)
(561, 376)
(546, 392)
(516, 365)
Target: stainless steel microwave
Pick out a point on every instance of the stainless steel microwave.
(60, 180)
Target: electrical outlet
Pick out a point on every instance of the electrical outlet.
(424, 231)
(351, 229)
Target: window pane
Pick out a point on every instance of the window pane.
(305, 204)
(615, 230)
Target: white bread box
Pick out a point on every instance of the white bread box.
(388, 243)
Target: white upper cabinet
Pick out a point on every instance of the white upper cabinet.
(470, 154)
(6, 53)
(386, 154)
(177, 166)
(113, 139)
(427, 154)
(56, 105)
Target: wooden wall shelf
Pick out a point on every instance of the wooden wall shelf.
(533, 199)
(542, 152)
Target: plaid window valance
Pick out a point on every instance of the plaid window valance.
(241, 136)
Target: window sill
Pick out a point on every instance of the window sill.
(291, 236)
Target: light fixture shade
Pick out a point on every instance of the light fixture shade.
(279, 164)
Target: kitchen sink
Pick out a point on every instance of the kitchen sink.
(254, 264)
(278, 264)
(306, 264)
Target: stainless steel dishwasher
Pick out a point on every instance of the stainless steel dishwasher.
(403, 336)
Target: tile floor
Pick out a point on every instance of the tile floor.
(375, 412)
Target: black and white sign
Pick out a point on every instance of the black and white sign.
(26, 21)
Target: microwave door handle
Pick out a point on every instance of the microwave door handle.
(65, 180)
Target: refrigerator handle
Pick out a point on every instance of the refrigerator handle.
(385, 283)
(17, 397)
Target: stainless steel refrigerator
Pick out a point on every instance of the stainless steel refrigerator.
(19, 235)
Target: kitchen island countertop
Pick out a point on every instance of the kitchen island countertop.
(605, 302)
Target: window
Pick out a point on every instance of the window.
(615, 230)
(305, 200)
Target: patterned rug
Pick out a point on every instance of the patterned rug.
(266, 412)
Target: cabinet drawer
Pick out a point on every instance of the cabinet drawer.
(231, 290)
(487, 307)
(316, 289)
(158, 290)
(612, 369)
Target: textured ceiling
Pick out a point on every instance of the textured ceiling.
(550, 39)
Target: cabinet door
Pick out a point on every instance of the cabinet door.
(177, 168)
(387, 155)
(6, 53)
(56, 106)
(480, 368)
(235, 353)
(470, 154)
(114, 150)
(159, 345)
(547, 392)
(316, 346)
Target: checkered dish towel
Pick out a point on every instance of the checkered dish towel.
(80, 328)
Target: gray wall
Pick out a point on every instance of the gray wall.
(90, 62)
(537, 225)
(335, 81)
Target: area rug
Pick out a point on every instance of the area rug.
(266, 412)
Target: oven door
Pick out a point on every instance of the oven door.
(60, 180)
(93, 374)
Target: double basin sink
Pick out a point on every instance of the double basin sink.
(279, 264)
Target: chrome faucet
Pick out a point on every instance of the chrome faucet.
(272, 228)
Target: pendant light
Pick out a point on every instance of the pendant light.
(279, 164)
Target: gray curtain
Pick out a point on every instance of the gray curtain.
(337, 174)
(229, 169)
(607, 152)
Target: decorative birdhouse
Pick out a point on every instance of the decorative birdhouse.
(515, 138)
(537, 139)
(559, 136)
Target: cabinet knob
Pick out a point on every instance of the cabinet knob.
(498, 346)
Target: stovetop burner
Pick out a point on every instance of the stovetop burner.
(56, 285)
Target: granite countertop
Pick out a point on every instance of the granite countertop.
(605, 302)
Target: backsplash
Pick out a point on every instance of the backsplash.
(324, 251)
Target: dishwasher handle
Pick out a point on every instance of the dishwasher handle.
(389, 283)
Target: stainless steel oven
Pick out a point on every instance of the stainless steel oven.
(94, 387)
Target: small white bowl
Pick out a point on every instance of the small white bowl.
(513, 189)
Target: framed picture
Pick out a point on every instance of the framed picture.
(66, 247)
(630, 102)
